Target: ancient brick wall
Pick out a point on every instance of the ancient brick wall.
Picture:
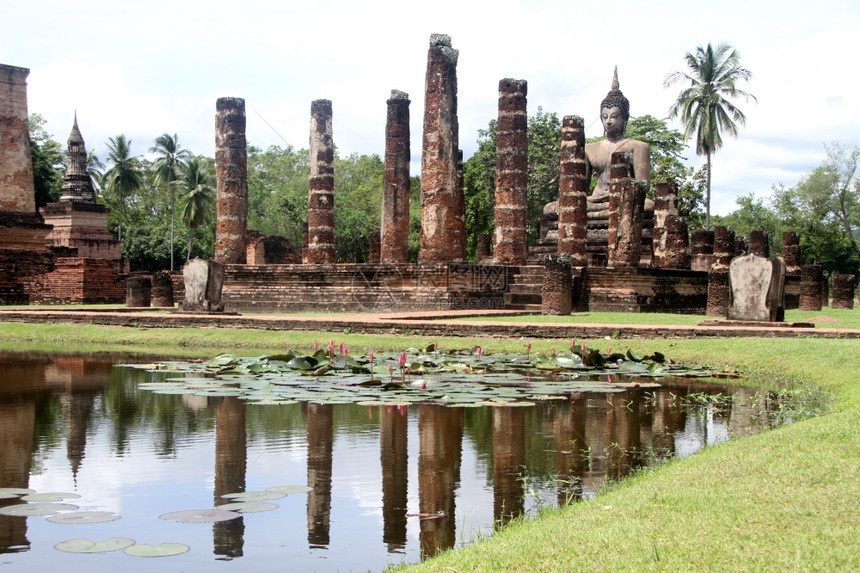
(16, 168)
(573, 192)
(320, 248)
(646, 290)
(76, 280)
(443, 208)
(511, 210)
(231, 180)
(394, 247)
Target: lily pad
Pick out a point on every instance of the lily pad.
(200, 515)
(84, 545)
(163, 550)
(36, 509)
(50, 497)
(10, 492)
(254, 495)
(287, 489)
(249, 506)
(84, 517)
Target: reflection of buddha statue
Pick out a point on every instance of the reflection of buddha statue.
(614, 114)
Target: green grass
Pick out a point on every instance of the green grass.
(825, 318)
(786, 500)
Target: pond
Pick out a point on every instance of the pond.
(366, 485)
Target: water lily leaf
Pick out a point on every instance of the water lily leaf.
(249, 506)
(163, 550)
(50, 496)
(10, 492)
(301, 363)
(223, 360)
(200, 515)
(35, 509)
(287, 489)
(281, 357)
(254, 495)
(84, 517)
(84, 545)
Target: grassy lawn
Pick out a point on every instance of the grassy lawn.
(785, 500)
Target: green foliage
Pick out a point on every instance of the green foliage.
(170, 158)
(48, 161)
(705, 107)
(196, 182)
(278, 191)
(124, 177)
(479, 177)
(357, 205)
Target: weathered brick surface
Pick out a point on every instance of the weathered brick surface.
(811, 287)
(670, 244)
(759, 243)
(396, 181)
(77, 280)
(511, 209)
(557, 290)
(719, 291)
(364, 287)
(573, 192)
(320, 249)
(791, 252)
(17, 193)
(231, 176)
(724, 246)
(645, 290)
(443, 208)
(138, 291)
(701, 250)
(83, 226)
(843, 291)
(162, 289)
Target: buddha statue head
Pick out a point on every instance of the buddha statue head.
(614, 111)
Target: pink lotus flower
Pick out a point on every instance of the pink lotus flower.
(479, 351)
(528, 350)
(401, 361)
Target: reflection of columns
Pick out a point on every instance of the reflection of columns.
(320, 441)
(570, 443)
(230, 466)
(394, 458)
(440, 435)
(509, 456)
(17, 420)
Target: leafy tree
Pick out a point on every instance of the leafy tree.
(704, 107)
(833, 190)
(357, 205)
(195, 182)
(95, 169)
(48, 160)
(479, 177)
(170, 157)
(667, 165)
(124, 176)
(278, 191)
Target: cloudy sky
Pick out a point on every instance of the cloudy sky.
(146, 68)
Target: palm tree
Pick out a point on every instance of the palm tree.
(95, 169)
(123, 177)
(196, 184)
(704, 107)
(165, 167)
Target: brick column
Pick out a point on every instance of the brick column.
(843, 291)
(17, 193)
(670, 252)
(759, 244)
(443, 215)
(572, 192)
(626, 206)
(511, 245)
(791, 252)
(321, 186)
(557, 289)
(811, 287)
(231, 180)
(701, 250)
(396, 183)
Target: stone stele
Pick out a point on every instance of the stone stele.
(203, 283)
(756, 285)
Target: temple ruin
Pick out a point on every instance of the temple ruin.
(620, 250)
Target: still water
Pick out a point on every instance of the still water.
(389, 483)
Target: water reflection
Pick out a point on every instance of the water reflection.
(79, 424)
